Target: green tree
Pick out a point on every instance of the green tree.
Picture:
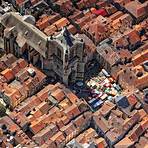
(2, 110)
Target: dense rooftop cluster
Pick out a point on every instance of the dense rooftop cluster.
(18, 80)
(74, 73)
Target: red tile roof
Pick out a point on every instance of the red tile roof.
(58, 95)
(8, 74)
(72, 111)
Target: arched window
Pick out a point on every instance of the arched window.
(66, 57)
(72, 53)
(59, 53)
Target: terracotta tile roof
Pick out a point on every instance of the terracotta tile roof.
(108, 54)
(10, 124)
(120, 42)
(117, 112)
(125, 142)
(3, 66)
(64, 104)
(14, 96)
(116, 15)
(136, 8)
(53, 114)
(29, 104)
(129, 37)
(44, 107)
(20, 136)
(106, 108)
(21, 119)
(50, 30)
(8, 59)
(96, 31)
(29, 85)
(132, 100)
(72, 111)
(88, 115)
(61, 23)
(19, 2)
(65, 6)
(128, 122)
(68, 129)
(116, 123)
(43, 94)
(71, 96)
(58, 95)
(36, 113)
(100, 142)
(65, 119)
(54, 18)
(76, 15)
(142, 143)
(82, 21)
(126, 78)
(58, 138)
(48, 144)
(22, 75)
(112, 136)
(84, 137)
(142, 82)
(43, 22)
(8, 74)
(40, 76)
(37, 125)
(59, 123)
(140, 57)
(36, 80)
(23, 82)
(124, 53)
(22, 63)
(142, 113)
(133, 37)
(89, 45)
(144, 123)
(79, 121)
(136, 133)
(145, 55)
(44, 135)
(101, 123)
(15, 68)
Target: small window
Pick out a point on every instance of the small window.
(58, 67)
(66, 57)
(59, 53)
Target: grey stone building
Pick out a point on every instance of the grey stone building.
(61, 55)
(107, 56)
